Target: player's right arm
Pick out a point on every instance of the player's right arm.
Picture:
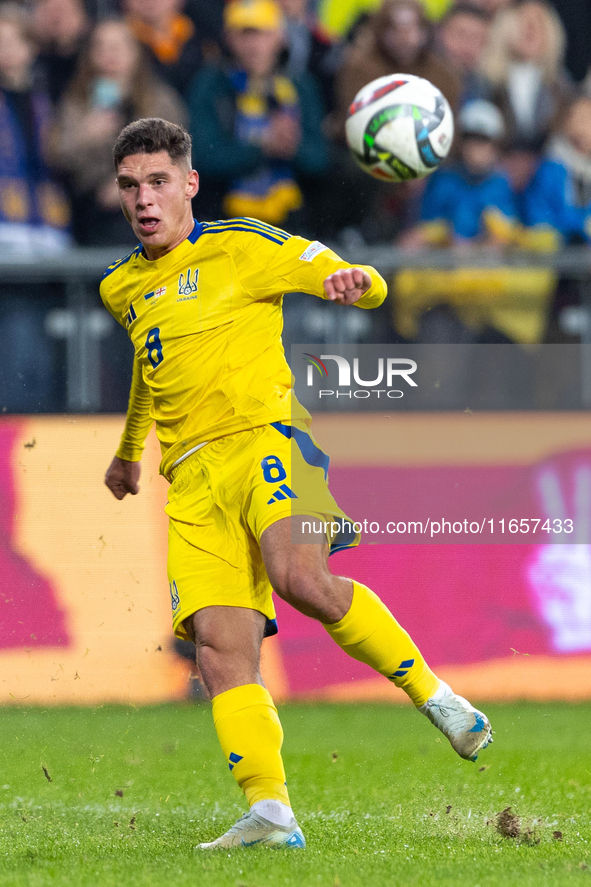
(275, 263)
(123, 473)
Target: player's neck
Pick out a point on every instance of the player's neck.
(156, 252)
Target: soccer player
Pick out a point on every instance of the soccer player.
(202, 303)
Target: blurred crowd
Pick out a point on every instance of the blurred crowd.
(264, 87)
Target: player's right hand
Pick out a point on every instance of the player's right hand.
(122, 477)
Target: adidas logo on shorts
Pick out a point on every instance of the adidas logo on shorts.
(284, 492)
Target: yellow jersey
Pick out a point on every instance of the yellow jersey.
(206, 321)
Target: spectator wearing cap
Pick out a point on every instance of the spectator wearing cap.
(468, 204)
(470, 200)
(463, 36)
(169, 36)
(257, 135)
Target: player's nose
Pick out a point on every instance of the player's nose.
(144, 197)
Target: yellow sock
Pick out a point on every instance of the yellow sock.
(250, 735)
(369, 633)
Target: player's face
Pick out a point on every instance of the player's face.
(156, 196)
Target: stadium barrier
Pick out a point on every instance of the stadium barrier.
(522, 281)
(83, 586)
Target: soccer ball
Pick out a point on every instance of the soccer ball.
(399, 127)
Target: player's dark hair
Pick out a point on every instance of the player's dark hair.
(151, 135)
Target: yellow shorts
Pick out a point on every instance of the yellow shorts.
(220, 502)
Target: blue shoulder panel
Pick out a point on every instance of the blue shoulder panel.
(135, 251)
(196, 232)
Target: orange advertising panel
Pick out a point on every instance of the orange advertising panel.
(85, 615)
(85, 606)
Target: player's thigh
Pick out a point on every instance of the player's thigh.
(299, 572)
(286, 553)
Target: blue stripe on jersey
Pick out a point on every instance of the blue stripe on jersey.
(248, 223)
(274, 232)
(243, 228)
(249, 220)
(135, 251)
(313, 455)
(271, 229)
(258, 222)
(131, 315)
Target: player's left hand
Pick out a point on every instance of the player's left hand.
(346, 286)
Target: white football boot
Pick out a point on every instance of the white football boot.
(251, 829)
(467, 729)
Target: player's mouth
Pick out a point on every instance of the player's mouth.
(148, 224)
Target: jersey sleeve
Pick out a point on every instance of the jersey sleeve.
(138, 421)
(268, 269)
(107, 294)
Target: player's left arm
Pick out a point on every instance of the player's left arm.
(298, 265)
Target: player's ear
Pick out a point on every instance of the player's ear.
(192, 183)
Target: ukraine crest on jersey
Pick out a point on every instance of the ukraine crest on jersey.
(205, 321)
(188, 285)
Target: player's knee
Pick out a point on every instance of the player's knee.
(210, 664)
(308, 590)
(296, 583)
(223, 669)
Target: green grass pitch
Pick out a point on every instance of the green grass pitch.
(382, 799)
